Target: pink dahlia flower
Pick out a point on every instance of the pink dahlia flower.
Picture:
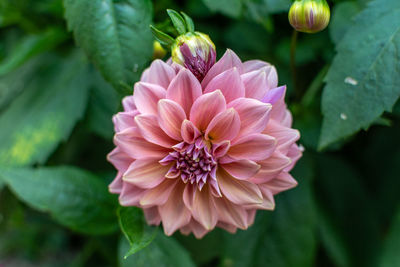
(199, 155)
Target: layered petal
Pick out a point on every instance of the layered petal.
(228, 61)
(254, 115)
(203, 208)
(206, 107)
(137, 147)
(170, 118)
(225, 126)
(146, 96)
(230, 84)
(159, 194)
(237, 191)
(285, 136)
(150, 130)
(184, 90)
(230, 213)
(145, 173)
(253, 147)
(159, 73)
(282, 182)
(241, 169)
(259, 82)
(174, 213)
(271, 167)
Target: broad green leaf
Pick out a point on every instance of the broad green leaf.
(284, 237)
(363, 80)
(115, 35)
(74, 197)
(136, 230)
(15, 82)
(231, 8)
(103, 104)
(45, 113)
(30, 46)
(348, 223)
(162, 252)
(390, 255)
(342, 18)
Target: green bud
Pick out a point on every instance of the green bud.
(309, 16)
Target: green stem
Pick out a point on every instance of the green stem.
(293, 62)
(313, 89)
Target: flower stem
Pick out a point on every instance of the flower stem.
(293, 63)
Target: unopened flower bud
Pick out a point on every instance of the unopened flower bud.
(309, 16)
(158, 50)
(195, 51)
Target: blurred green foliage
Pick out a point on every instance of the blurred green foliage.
(64, 67)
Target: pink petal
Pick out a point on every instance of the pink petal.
(137, 147)
(252, 65)
(253, 147)
(198, 230)
(129, 103)
(184, 89)
(295, 153)
(174, 213)
(206, 107)
(124, 120)
(189, 132)
(230, 213)
(130, 195)
(285, 136)
(271, 167)
(230, 84)
(159, 73)
(145, 173)
(152, 216)
(227, 226)
(203, 208)
(146, 96)
(282, 182)
(159, 194)
(254, 115)
(151, 131)
(274, 95)
(259, 82)
(237, 191)
(119, 159)
(170, 117)
(228, 61)
(221, 149)
(115, 187)
(225, 126)
(241, 169)
(188, 195)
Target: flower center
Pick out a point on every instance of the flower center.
(194, 163)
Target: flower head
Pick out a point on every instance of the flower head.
(195, 51)
(196, 155)
(309, 16)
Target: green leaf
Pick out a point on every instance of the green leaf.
(115, 35)
(30, 46)
(162, 252)
(45, 113)
(231, 8)
(363, 80)
(103, 104)
(163, 38)
(342, 18)
(74, 197)
(390, 255)
(135, 229)
(177, 20)
(348, 223)
(284, 237)
(260, 10)
(189, 22)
